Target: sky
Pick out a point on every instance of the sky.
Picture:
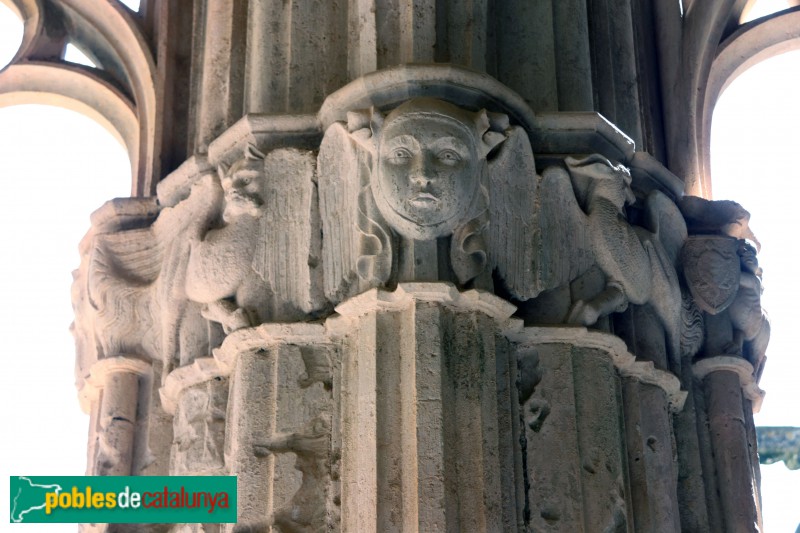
(755, 140)
(63, 166)
(58, 166)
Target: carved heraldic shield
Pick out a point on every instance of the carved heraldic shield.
(712, 270)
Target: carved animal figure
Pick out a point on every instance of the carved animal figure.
(238, 269)
(634, 260)
(134, 286)
(750, 322)
(638, 263)
(431, 170)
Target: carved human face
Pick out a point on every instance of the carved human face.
(243, 185)
(748, 258)
(427, 175)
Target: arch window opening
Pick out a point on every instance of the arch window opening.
(73, 54)
(56, 167)
(754, 145)
(133, 5)
(60, 172)
(761, 8)
(11, 30)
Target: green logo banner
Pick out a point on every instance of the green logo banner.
(123, 499)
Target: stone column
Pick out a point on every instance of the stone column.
(427, 408)
(114, 416)
(220, 88)
(197, 397)
(588, 402)
(279, 426)
(730, 388)
(651, 457)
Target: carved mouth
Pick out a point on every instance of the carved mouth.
(423, 199)
(239, 196)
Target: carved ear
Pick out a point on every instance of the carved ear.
(253, 153)
(222, 170)
(491, 128)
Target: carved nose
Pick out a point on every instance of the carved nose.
(421, 181)
(422, 173)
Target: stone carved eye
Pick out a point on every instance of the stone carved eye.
(399, 156)
(241, 180)
(448, 157)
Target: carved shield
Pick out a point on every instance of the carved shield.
(712, 271)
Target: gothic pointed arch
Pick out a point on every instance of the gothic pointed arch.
(750, 44)
(120, 93)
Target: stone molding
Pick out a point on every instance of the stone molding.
(175, 187)
(391, 86)
(624, 361)
(751, 43)
(202, 369)
(38, 74)
(738, 366)
(445, 293)
(271, 334)
(268, 132)
(265, 336)
(102, 368)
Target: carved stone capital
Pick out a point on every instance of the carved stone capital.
(738, 366)
(102, 369)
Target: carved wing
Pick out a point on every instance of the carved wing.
(133, 255)
(663, 239)
(664, 219)
(512, 196)
(563, 234)
(289, 238)
(122, 268)
(340, 168)
(538, 231)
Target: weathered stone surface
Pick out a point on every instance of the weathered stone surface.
(711, 267)
(197, 396)
(366, 290)
(735, 473)
(724, 278)
(268, 227)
